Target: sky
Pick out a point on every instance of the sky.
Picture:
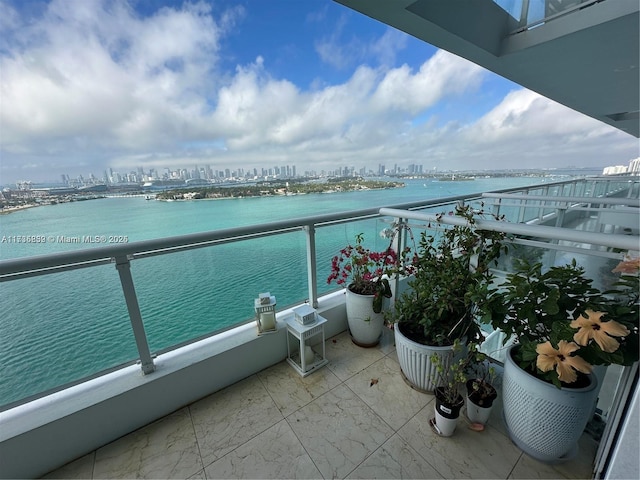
(87, 85)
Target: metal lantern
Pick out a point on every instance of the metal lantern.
(265, 307)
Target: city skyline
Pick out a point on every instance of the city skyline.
(213, 175)
(97, 84)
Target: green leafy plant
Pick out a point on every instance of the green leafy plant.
(450, 374)
(471, 368)
(564, 325)
(451, 283)
(480, 376)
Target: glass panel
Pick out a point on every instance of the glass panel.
(512, 7)
(536, 11)
(184, 296)
(554, 7)
(331, 239)
(51, 334)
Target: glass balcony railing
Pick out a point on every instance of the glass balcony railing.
(178, 289)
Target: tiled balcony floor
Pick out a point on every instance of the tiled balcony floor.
(335, 423)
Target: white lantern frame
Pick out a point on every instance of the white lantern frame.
(265, 308)
(298, 359)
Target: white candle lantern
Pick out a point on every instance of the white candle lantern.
(305, 325)
(265, 308)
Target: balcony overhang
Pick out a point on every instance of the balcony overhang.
(587, 60)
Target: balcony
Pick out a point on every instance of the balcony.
(334, 423)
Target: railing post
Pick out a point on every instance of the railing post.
(124, 270)
(523, 207)
(524, 13)
(312, 268)
(399, 243)
(496, 207)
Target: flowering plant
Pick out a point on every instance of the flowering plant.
(564, 325)
(363, 271)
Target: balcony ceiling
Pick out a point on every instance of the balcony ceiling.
(587, 59)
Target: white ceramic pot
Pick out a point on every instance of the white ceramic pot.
(364, 324)
(543, 420)
(479, 409)
(446, 415)
(476, 413)
(446, 426)
(415, 361)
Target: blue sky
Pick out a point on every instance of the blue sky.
(88, 85)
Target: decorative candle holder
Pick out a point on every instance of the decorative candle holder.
(303, 358)
(265, 308)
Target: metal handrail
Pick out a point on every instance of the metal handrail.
(625, 242)
(631, 202)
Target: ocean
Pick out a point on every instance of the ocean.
(63, 327)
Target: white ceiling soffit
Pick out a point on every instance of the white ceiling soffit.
(587, 59)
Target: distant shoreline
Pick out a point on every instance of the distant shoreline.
(11, 209)
(5, 210)
(279, 190)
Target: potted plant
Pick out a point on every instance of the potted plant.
(480, 390)
(450, 286)
(449, 375)
(562, 326)
(364, 273)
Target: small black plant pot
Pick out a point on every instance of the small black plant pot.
(445, 408)
(483, 396)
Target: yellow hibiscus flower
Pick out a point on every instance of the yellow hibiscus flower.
(561, 359)
(592, 327)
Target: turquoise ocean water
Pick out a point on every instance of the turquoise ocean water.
(62, 327)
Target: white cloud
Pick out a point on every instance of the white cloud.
(96, 70)
(341, 49)
(93, 84)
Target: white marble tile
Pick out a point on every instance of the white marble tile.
(577, 468)
(339, 431)
(582, 465)
(80, 468)
(230, 417)
(466, 454)
(382, 388)
(346, 358)
(275, 453)
(290, 390)
(164, 449)
(395, 459)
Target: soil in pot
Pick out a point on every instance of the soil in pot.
(483, 395)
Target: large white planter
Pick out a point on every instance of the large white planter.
(415, 361)
(543, 420)
(364, 324)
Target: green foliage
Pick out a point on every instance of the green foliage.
(452, 372)
(451, 281)
(530, 301)
(537, 306)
